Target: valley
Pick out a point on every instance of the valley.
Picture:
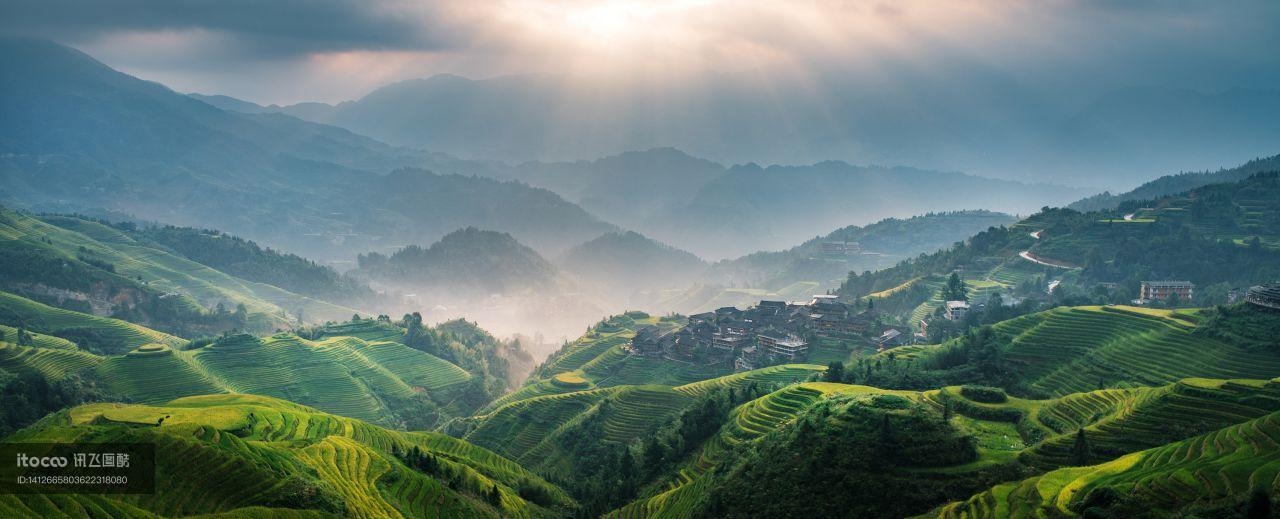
(639, 260)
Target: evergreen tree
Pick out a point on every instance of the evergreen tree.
(955, 290)
(1080, 451)
(1259, 505)
(835, 372)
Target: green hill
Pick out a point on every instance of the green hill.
(248, 455)
(1179, 183)
(371, 381)
(91, 267)
(1211, 475)
(97, 334)
(467, 260)
(1219, 236)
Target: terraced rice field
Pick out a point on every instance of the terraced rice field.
(342, 375)
(232, 454)
(636, 410)
(515, 429)
(1079, 349)
(1144, 419)
(51, 320)
(748, 422)
(38, 340)
(781, 375)
(1213, 468)
(155, 376)
(53, 364)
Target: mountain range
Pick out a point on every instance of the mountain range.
(992, 128)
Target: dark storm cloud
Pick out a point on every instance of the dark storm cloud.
(264, 28)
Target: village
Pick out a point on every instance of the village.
(777, 332)
(771, 332)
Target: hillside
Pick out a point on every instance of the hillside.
(88, 266)
(268, 456)
(1177, 183)
(752, 208)
(1218, 474)
(247, 260)
(629, 262)
(468, 260)
(1220, 237)
(78, 136)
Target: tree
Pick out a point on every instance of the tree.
(835, 372)
(1259, 504)
(1080, 451)
(955, 289)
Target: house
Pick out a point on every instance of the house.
(728, 340)
(649, 341)
(728, 312)
(889, 339)
(1163, 290)
(1266, 296)
(705, 317)
(789, 346)
(956, 310)
(838, 249)
(748, 360)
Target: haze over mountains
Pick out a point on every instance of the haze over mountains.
(980, 125)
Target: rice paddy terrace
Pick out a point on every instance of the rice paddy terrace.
(1212, 471)
(247, 455)
(747, 423)
(1076, 349)
(342, 375)
(119, 336)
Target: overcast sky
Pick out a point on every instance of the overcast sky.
(287, 51)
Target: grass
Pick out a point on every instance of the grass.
(246, 456)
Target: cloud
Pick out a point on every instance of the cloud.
(289, 50)
(259, 29)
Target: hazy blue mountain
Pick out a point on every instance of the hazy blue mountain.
(1174, 184)
(466, 260)
(752, 208)
(983, 126)
(77, 135)
(627, 188)
(627, 262)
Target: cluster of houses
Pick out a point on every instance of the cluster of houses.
(769, 333)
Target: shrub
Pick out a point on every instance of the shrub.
(984, 394)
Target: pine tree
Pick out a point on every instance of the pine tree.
(1080, 451)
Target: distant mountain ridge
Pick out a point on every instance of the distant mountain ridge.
(468, 259)
(627, 262)
(1177, 183)
(77, 136)
(994, 130)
